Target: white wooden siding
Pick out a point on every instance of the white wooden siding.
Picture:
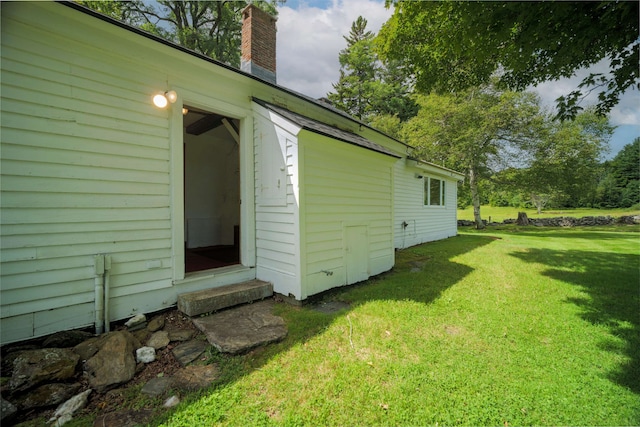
(343, 186)
(277, 223)
(425, 223)
(85, 170)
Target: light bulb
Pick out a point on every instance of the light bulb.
(172, 96)
(160, 101)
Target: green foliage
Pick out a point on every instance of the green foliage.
(368, 88)
(454, 45)
(620, 183)
(479, 131)
(212, 28)
(566, 162)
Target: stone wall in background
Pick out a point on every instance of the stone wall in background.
(565, 221)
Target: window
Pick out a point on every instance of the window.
(433, 192)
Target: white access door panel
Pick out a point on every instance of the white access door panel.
(357, 253)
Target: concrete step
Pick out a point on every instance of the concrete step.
(210, 300)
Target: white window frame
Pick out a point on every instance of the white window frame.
(427, 193)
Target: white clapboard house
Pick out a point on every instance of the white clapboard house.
(113, 206)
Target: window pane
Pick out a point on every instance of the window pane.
(426, 190)
(443, 191)
(434, 192)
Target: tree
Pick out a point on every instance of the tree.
(621, 183)
(565, 164)
(358, 71)
(367, 88)
(212, 28)
(477, 131)
(454, 45)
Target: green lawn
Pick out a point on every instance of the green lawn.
(504, 327)
(499, 214)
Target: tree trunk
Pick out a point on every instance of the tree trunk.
(523, 219)
(475, 198)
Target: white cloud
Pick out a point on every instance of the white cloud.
(627, 112)
(310, 38)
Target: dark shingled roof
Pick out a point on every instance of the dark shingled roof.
(325, 129)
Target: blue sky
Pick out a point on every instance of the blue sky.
(310, 37)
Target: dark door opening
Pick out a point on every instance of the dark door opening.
(211, 190)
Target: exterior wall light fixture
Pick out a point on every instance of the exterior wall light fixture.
(162, 100)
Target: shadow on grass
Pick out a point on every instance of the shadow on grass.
(421, 274)
(612, 281)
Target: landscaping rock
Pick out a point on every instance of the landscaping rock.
(7, 411)
(66, 339)
(189, 351)
(65, 412)
(156, 324)
(195, 377)
(48, 395)
(34, 367)
(180, 335)
(88, 348)
(114, 364)
(141, 335)
(136, 320)
(157, 386)
(158, 340)
(145, 354)
(171, 402)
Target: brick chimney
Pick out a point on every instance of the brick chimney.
(258, 55)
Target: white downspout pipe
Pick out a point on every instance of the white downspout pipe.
(98, 263)
(107, 314)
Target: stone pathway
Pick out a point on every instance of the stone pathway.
(240, 329)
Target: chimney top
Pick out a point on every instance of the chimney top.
(258, 55)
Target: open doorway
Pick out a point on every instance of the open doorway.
(212, 190)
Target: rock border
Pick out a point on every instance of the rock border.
(564, 221)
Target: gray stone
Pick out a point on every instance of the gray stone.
(88, 348)
(171, 401)
(156, 324)
(65, 411)
(209, 300)
(145, 355)
(66, 339)
(158, 340)
(242, 328)
(180, 335)
(157, 386)
(189, 351)
(136, 320)
(34, 367)
(195, 377)
(48, 395)
(7, 411)
(114, 364)
(141, 335)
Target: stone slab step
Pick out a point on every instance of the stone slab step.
(242, 328)
(209, 300)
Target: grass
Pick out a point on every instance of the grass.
(511, 326)
(499, 214)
